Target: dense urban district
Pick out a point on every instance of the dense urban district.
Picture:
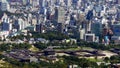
(59, 33)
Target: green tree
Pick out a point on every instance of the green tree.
(106, 59)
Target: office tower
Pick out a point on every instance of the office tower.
(59, 14)
(20, 24)
(25, 2)
(68, 2)
(41, 3)
(6, 25)
(30, 1)
(96, 28)
(35, 3)
(74, 1)
(118, 15)
(40, 28)
(43, 11)
(16, 25)
(16, 1)
(116, 29)
(29, 18)
(61, 1)
(4, 5)
(79, 2)
(89, 17)
(82, 33)
(34, 21)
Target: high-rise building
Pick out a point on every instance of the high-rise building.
(6, 25)
(96, 28)
(16, 25)
(59, 14)
(40, 28)
(4, 5)
(74, 2)
(82, 33)
(25, 2)
(30, 1)
(79, 2)
(20, 24)
(116, 29)
(16, 2)
(42, 3)
(68, 2)
(35, 3)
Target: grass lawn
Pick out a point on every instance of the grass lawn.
(87, 48)
(95, 60)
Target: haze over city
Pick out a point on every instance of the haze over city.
(60, 33)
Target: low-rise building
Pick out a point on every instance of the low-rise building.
(116, 39)
(90, 37)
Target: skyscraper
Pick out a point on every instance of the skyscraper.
(68, 2)
(96, 28)
(40, 28)
(59, 14)
(6, 25)
(35, 3)
(4, 5)
(116, 29)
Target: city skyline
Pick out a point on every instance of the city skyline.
(74, 28)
